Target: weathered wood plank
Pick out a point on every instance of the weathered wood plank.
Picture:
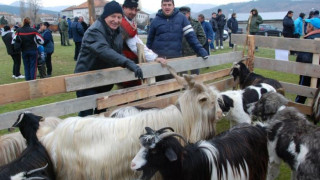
(110, 76)
(304, 45)
(76, 105)
(156, 89)
(299, 90)
(304, 109)
(288, 67)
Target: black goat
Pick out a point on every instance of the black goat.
(292, 138)
(316, 107)
(34, 162)
(241, 73)
(240, 153)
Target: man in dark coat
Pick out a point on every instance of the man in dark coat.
(221, 20)
(288, 25)
(84, 24)
(313, 31)
(7, 36)
(233, 27)
(77, 33)
(101, 48)
(214, 25)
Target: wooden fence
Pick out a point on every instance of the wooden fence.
(145, 95)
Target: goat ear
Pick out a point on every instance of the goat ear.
(170, 154)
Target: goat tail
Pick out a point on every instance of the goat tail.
(315, 107)
(281, 91)
(11, 146)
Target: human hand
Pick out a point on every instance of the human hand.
(135, 68)
(162, 61)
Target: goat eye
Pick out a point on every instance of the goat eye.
(204, 99)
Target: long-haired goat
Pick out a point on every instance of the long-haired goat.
(129, 111)
(240, 153)
(293, 139)
(33, 157)
(316, 107)
(242, 74)
(238, 104)
(102, 148)
(12, 145)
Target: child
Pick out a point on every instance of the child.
(42, 62)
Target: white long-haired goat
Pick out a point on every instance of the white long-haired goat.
(102, 148)
(11, 145)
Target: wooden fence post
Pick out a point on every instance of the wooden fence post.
(251, 49)
(314, 81)
(92, 12)
(142, 59)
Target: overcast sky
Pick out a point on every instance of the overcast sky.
(146, 4)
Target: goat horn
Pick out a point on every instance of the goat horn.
(190, 80)
(169, 134)
(170, 128)
(179, 79)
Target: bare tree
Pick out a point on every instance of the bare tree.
(22, 9)
(34, 7)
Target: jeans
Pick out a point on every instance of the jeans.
(77, 50)
(49, 64)
(219, 37)
(30, 64)
(16, 64)
(212, 42)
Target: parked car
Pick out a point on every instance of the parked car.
(140, 32)
(269, 30)
(240, 31)
(225, 35)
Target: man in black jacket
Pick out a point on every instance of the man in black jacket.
(7, 36)
(233, 27)
(288, 25)
(221, 20)
(214, 25)
(101, 48)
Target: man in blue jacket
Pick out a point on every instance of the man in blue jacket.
(207, 30)
(298, 26)
(166, 33)
(77, 33)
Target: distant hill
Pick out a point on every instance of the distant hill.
(52, 8)
(16, 10)
(296, 6)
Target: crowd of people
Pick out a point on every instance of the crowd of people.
(112, 39)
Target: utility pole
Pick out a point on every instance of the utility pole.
(92, 12)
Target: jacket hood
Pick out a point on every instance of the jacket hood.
(76, 19)
(254, 9)
(5, 33)
(160, 13)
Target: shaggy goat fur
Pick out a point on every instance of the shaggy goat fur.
(238, 104)
(11, 145)
(316, 107)
(241, 74)
(240, 153)
(102, 148)
(293, 139)
(33, 157)
(128, 111)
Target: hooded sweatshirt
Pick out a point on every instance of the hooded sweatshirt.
(255, 22)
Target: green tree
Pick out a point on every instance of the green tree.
(3, 21)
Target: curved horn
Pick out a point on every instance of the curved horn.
(190, 80)
(149, 130)
(168, 134)
(172, 71)
(162, 129)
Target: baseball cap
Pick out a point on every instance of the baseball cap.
(315, 22)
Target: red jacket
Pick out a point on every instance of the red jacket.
(131, 31)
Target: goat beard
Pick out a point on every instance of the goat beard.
(147, 173)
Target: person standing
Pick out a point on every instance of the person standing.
(298, 26)
(311, 13)
(166, 32)
(233, 27)
(48, 46)
(316, 14)
(207, 30)
(288, 25)
(101, 48)
(27, 39)
(84, 24)
(77, 33)
(60, 32)
(7, 37)
(221, 21)
(256, 20)
(214, 25)
(313, 32)
(69, 29)
(64, 30)
(130, 34)
(197, 27)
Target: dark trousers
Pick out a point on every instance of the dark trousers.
(219, 37)
(49, 64)
(304, 81)
(16, 64)
(230, 44)
(77, 50)
(89, 92)
(30, 64)
(206, 47)
(42, 70)
(61, 36)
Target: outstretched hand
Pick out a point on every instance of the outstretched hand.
(135, 68)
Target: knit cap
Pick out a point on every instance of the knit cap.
(111, 8)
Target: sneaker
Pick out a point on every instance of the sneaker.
(20, 77)
(217, 48)
(13, 76)
(221, 47)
